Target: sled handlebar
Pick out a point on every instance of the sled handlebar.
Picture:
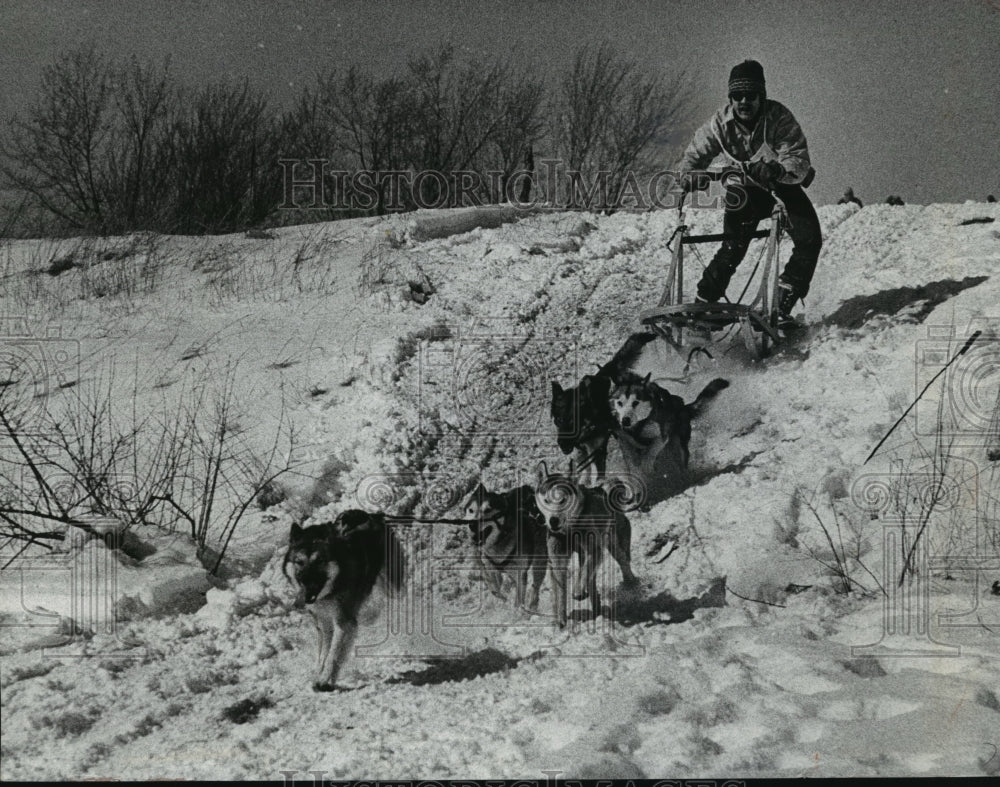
(700, 179)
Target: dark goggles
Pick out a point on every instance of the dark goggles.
(750, 96)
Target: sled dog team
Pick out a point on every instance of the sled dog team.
(525, 533)
(522, 534)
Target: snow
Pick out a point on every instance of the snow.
(739, 654)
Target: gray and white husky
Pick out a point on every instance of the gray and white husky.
(653, 423)
(509, 538)
(583, 521)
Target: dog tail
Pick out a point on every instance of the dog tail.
(707, 395)
(626, 355)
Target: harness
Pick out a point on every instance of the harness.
(766, 148)
(503, 562)
(588, 429)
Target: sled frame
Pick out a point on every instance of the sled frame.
(757, 320)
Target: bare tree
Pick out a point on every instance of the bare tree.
(114, 147)
(307, 133)
(458, 112)
(445, 115)
(144, 98)
(90, 151)
(373, 120)
(520, 98)
(223, 154)
(111, 146)
(55, 152)
(608, 111)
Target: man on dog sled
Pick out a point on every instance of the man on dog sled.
(763, 138)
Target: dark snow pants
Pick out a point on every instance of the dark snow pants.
(745, 207)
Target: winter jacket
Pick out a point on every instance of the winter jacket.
(776, 136)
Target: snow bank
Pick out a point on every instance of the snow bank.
(739, 653)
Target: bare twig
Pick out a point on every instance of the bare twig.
(756, 600)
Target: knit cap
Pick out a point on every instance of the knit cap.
(747, 77)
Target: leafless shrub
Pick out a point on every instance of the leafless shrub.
(843, 545)
(115, 146)
(52, 273)
(222, 154)
(90, 150)
(608, 112)
(376, 264)
(446, 113)
(27, 277)
(461, 116)
(190, 464)
(270, 274)
(311, 265)
(372, 119)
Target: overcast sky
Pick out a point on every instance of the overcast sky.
(895, 97)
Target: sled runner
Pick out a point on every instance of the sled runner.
(756, 320)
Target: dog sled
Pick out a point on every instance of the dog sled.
(757, 320)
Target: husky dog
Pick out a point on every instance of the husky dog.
(650, 419)
(507, 530)
(584, 422)
(580, 520)
(335, 566)
(581, 414)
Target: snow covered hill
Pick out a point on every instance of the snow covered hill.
(414, 357)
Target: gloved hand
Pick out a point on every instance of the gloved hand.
(766, 173)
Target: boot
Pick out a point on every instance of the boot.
(786, 302)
